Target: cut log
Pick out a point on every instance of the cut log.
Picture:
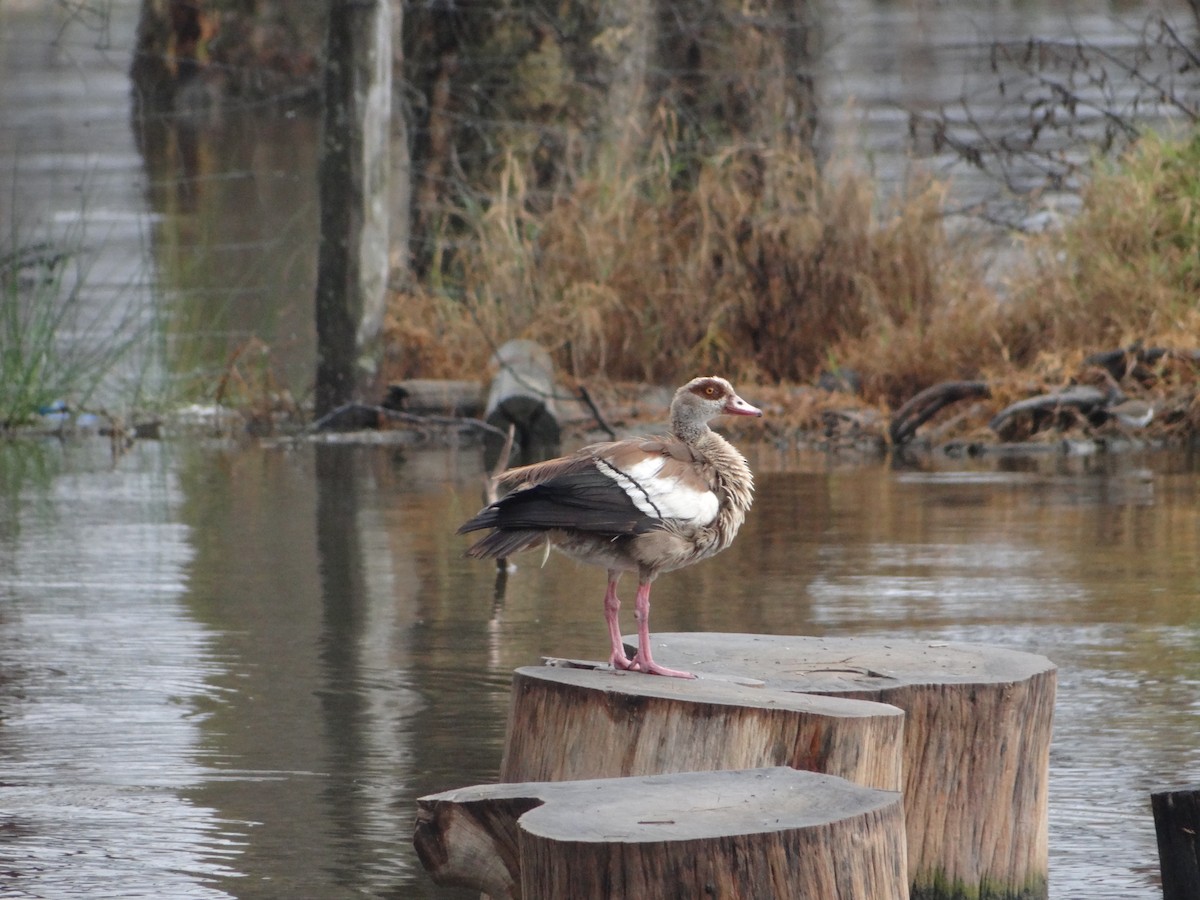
(976, 742)
(773, 832)
(568, 723)
(435, 396)
(1177, 824)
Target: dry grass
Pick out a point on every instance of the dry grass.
(770, 271)
(1126, 269)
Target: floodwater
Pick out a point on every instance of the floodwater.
(227, 670)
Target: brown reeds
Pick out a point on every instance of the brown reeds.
(762, 266)
(1126, 269)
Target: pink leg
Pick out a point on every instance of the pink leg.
(612, 605)
(642, 661)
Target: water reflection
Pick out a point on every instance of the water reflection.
(317, 588)
(103, 679)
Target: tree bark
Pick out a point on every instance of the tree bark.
(400, 180)
(772, 832)
(352, 264)
(567, 723)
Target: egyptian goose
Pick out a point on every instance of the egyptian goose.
(645, 505)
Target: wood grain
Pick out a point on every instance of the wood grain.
(567, 723)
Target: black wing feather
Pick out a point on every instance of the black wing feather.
(582, 501)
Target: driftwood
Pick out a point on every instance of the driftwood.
(809, 837)
(567, 723)
(1177, 824)
(925, 405)
(1082, 398)
(976, 742)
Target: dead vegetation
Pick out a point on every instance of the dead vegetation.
(773, 272)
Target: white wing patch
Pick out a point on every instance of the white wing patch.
(663, 497)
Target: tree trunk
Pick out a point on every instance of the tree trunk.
(400, 180)
(625, 43)
(741, 75)
(352, 264)
(772, 832)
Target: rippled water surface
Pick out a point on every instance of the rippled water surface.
(230, 672)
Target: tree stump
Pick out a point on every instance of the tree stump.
(976, 742)
(568, 723)
(773, 832)
(522, 395)
(1177, 825)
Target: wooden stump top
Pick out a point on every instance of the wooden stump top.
(697, 805)
(714, 688)
(859, 666)
(807, 836)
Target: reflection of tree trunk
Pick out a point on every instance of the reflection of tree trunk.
(735, 75)
(352, 180)
(169, 41)
(344, 597)
(192, 52)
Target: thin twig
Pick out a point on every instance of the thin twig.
(586, 397)
(491, 484)
(407, 417)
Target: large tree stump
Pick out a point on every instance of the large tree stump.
(568, 723)
(976, 742)
(757, 833)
